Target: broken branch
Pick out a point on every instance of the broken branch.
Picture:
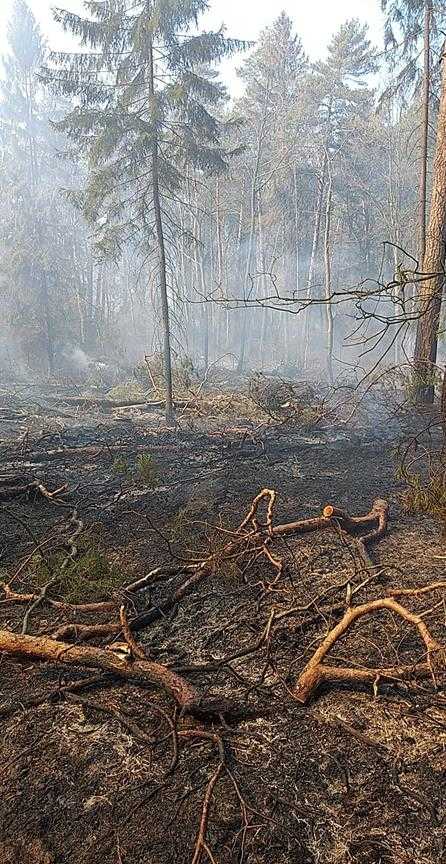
(316, 672)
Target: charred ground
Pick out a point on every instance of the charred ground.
(88, 774)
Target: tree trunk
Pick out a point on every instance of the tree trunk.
(48, 323)
(327, 256)
(90, 334)
(397, 299)
(296, 235)
(253, 200)
(425, 130)
(205, 307)
(314, 248)
(167, 354)
(243, 311)
(430, 294)
(316, 235)
(220, 276)
(443, 407)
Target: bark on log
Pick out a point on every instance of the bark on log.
(352, 524)
(43, 648)
(187, 697)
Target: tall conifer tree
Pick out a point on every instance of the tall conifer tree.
(146, 96)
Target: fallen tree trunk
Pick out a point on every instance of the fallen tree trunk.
(332, 515)
(109, 404)
(43, 648)
(186, 696)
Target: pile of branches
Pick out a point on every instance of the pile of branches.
(120, 655)
(285, 400)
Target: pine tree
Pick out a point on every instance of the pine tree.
(273, 72)
(19, 110)
(146, 94)
(414, 35)
(342, 78)
(45, 262)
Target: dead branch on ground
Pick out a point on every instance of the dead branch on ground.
(251, 534)
(316, 672)
(10, 489)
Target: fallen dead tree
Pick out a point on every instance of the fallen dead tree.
(252, 536)
(316, 673)
(111, 404)
(135, 667)
(44, 648)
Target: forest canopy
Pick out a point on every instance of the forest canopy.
(145, 210)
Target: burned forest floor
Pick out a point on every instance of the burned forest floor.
(108, 765)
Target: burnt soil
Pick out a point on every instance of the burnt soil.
(352, 777)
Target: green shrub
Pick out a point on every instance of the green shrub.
(427, 494)
(121, 467)
(145, 469)
(89, 577)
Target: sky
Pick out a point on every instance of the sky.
(315, 21)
